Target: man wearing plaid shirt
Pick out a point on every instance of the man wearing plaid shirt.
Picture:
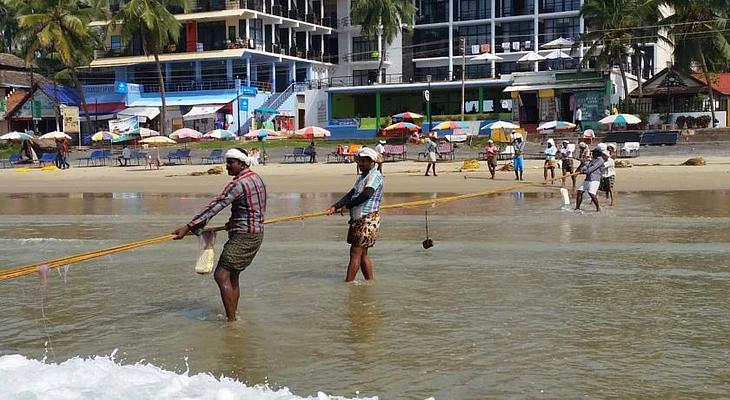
(246, 194)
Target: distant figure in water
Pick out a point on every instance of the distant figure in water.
(593, 171)
(247, 196)
(363, 201)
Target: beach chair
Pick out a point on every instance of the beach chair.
(173, 155)
(395, 152)
(47, 158)
(630, 149)
(12, 160)
(215, 157)
(446, 150)
(93, 157)
(349, 154)
(296, 154)
(138, 157)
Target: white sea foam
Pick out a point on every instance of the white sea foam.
(103, 377)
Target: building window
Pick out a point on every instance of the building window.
(257, 31)
(116, 42)
(431, 43)
(363, 77)
(551, 29)
(515, 36)
(438, 74)
(465, 10)
(364, 48)
(476, 35)
(432, 11)
(547, 6)
(509, 8)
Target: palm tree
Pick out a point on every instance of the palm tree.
(613, 27)
(699, 31)
(382, 19)
(156, 27)
(60, 27)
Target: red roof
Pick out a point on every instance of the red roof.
(720, 81)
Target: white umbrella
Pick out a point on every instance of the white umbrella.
(500, 125)
(621, 119)
(558, 43)
(557, 54)
(145, 132)
(158, 140)
(531, 57)
(487, 56)
(55, 135)
(15, 135)
(185, 133)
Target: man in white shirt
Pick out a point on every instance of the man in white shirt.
(579, 118)
(126, 155)
(380, 149)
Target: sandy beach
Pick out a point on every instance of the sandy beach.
(657, 169)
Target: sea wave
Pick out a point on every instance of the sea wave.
(103, 377)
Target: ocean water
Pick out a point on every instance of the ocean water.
(517, 299)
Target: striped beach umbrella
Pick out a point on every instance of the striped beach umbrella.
(185, 133)
(313, 132)
(446, 125)
(15, 135)
(621, 119)
(260, 133)
(500, 125)
(402, 125)
(220, 134)
(104, 135)
(408, 115)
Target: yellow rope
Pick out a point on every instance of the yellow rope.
(14, 272)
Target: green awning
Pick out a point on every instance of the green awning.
(267, 110)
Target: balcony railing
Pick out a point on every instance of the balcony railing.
(201, 85)
(365, 56)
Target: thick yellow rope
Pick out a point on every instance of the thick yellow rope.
(14, 272)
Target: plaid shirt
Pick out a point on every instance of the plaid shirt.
(247, 195)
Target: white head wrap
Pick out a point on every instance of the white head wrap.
(551, 141)
(602, 146)
(241, 156)
(368, 152)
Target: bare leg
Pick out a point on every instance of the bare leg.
(594, 200)
(578, 199)
(610, 195)
(366, 266)
(230, 292)
(552, 173)
(434, 169)
(544, 173)
(428, 168)
(355, 261)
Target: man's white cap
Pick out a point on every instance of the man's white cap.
(518, 135)
(612, 146)
(582, 144)
(490, 141)
(368, 152)
(240, 156)
(551, 141)
(566, 141)
(606, 153)
(381, 141)
(602, 146)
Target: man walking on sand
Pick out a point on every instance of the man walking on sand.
(566, 160)
(593, 171)
(491, 151)
(246, 194)
(363, 201)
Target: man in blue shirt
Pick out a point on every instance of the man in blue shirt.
(363, 201)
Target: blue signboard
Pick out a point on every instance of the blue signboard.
(242, 104)
(120, 87)
(249, 90)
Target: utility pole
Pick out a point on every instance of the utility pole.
(428, 102)
(238, 105)
(463, 76)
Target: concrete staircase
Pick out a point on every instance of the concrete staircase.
(274, 101)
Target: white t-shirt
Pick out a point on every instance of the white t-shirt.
(609, 168)
(126, 152)
(380, 148)
(579, 115)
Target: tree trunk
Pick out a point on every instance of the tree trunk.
(84, 106)
(163, 114)
(709, 86)
(627, 99)
(638, 75)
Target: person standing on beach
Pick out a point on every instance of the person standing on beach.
(566, 160)
(550, 161)
(593, 171)
(608, 178)
(431, 154)
(246, 194)
(491, 151)
(381, 150)
(363, 201)
(519, 163)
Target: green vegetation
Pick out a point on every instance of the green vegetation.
(7, 149)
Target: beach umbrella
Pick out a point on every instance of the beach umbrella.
(556, 125)
(500, 125)
(487, 56)
(55, 135)
(158, 140)
(15, 135)
(531, 57)
(221, 134)
(557, 55)
(146, 132)
(558, 43)
(407, 115)
(402, 125)
(313, 132)
(185, 133)
(620, 119)
(260, 133)
(446, 125)
(103, 135)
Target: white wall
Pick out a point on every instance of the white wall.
(315, 104)
(618, 85)
(721, 116)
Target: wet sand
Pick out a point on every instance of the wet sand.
(655, 172)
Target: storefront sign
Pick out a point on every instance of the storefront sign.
(37, 109)
(346, 122)
(242, 104)
(125, 126)
(249, 90)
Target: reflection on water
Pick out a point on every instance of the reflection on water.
(517, 299)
